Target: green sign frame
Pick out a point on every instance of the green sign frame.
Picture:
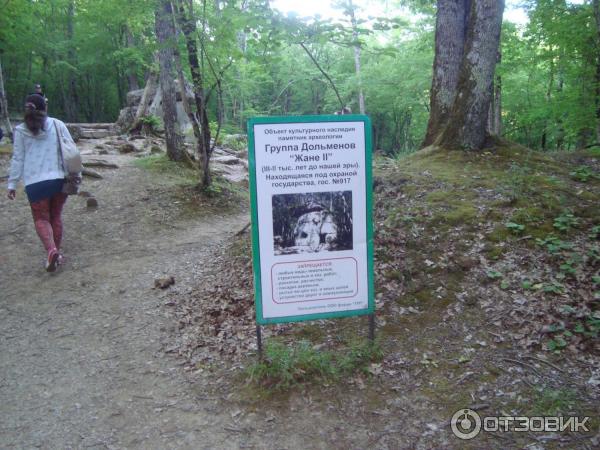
(256, 263)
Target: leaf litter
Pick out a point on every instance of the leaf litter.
(453, 335)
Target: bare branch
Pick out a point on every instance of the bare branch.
(324, 73)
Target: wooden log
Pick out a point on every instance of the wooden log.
(92, 126)
(91, 173)
(99, 163)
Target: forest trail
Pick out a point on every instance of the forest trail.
(82, 363)
(94, 357)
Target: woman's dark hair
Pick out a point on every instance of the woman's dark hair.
(35, 112)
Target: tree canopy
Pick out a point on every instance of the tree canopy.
(254, 60)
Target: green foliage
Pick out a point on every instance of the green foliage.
(518, 181)
(286, 365)
(359, 356)
(161, 165)
(96, 57)
(553, 288)
(151, 121)
(565, 222)
(582, 173)
(553, 244)
(515, 228)
(494, 274)
(547, 97)
(552, 402)
(547, 69)
(527, 284)
(557, 343)
(235, 142)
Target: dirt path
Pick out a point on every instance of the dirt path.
(80, 350)
(85, 358)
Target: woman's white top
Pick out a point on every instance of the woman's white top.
(35, 157)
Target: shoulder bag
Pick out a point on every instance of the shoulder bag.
(70, 160)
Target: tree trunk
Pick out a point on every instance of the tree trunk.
(361, 96)
(165, 34)
(188, 27)
(450, 34)
(4, 118)
(560, 126)
(72, 99)
(498, 107)
(494, 125)
(147, 96)
(131, 71)
(596, 5)
(548, 97)
(466, 127)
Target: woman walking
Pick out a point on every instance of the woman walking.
(37, 161)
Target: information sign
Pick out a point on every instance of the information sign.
(312, 240)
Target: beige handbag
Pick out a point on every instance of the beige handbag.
(70, 159)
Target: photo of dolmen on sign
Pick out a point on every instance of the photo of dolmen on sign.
(312, 222)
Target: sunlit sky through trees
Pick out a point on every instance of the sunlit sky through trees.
(513, 12)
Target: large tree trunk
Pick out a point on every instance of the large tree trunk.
(450, 34)
(187, 23)
(165, 34)
(466, 126)
(4, 119)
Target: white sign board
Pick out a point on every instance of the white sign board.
(311, 210)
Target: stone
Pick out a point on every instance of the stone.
(467, 262)
(126, 117)
(226, 159)
(127, 148)
(91, 203)
(134, 97)
(96, 134)
(75, 131)
(163, 283)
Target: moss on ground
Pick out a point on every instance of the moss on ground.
(441, 199)
(176, 172)
(194, 199)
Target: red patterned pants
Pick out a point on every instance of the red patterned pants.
(47, 217)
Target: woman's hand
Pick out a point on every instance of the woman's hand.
(11, 194)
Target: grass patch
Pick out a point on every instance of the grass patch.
(176, 172)
(550, 402)
(220, 195)
(284, 366)
(458, 213)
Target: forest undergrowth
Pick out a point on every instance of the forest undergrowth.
(487, 293)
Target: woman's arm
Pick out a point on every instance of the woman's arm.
(64, 131)
(16, 164)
